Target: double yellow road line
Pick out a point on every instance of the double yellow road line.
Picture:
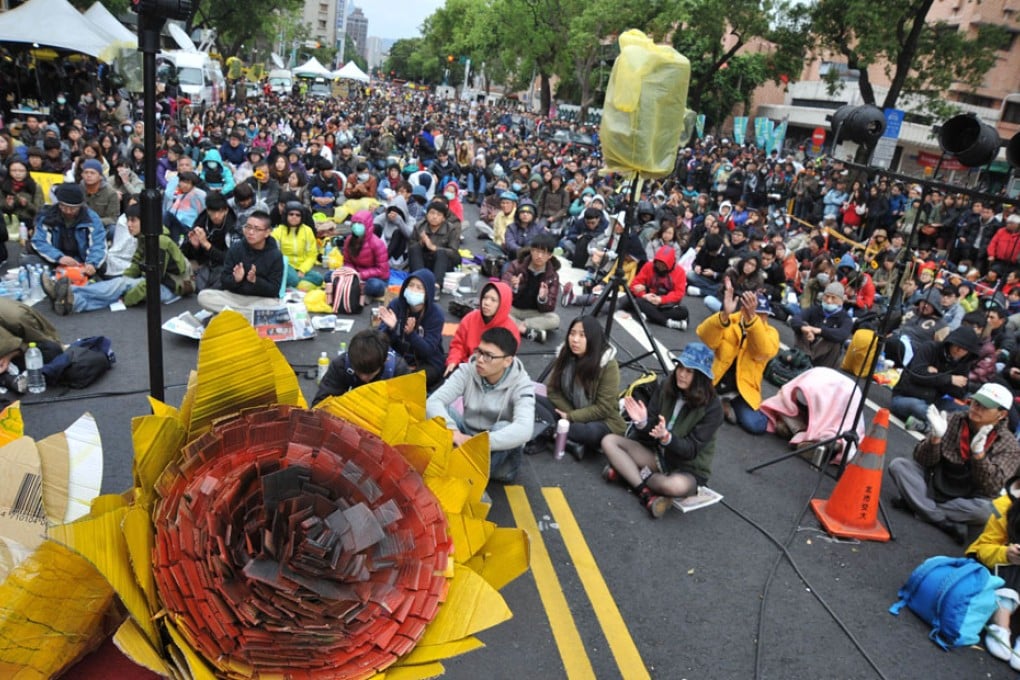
(572, 650)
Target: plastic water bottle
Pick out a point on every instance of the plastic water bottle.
(562, 427)
(323, 367)
(34, 364)
(22, 234)
(24, 284)
(35, 280)
(343, 349)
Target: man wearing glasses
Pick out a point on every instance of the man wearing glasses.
(252, 275)
(499, 397)
(961, 465)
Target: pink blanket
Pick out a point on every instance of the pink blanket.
(824, 393)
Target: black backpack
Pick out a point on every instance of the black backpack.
(786, 366)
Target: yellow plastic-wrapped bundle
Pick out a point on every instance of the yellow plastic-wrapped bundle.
(643, 116)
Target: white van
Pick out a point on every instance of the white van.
(281, 81)
(199, 77)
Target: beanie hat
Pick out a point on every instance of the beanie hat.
(835, 288)
(69, 193)
(92, 164)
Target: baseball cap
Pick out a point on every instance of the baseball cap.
(994, 395)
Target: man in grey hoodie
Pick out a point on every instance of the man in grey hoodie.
(499, 396)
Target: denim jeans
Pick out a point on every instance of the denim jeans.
(706, 286)
(754, 422)
(102, 294)
(373, 287)
(902, 407)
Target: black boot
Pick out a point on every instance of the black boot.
(955, 530)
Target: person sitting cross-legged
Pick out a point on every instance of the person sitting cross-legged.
(498, 397)
(252, 274)
(535, 283)
(368, 358)
(659, 288)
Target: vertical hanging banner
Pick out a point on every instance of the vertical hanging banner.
(739, 129)
(778, 137)
(700, 125)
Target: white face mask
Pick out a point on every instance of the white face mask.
(363, 177)
(450, 195)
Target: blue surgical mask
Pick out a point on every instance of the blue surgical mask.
(61, 100)
(961, 268)
(517, 186)
(362, 176)
(823, 279)
(830, 309)
(450, 195)
(414, 297)
(358, 230)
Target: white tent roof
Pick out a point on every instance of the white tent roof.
(53, 23)
(350, 71)
(101, 17)
(312, 68)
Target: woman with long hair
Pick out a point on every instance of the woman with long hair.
(584, 385)
(668, 450)
(21, 197)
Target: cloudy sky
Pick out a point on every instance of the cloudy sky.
(397, 18)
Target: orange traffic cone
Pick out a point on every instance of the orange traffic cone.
(852, 510)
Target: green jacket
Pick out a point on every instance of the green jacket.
(174, 268)
(693, 443)
(605, 405)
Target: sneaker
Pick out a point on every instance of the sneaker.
(575, 449)
(916, 425)
(535, 334)
(676, 324)
(997, 642)
(694, 290)
(728, 413)
(657, 505)
(49, 286)
(610, 474)
(568, 294)
(63, 301)
(1014, 660)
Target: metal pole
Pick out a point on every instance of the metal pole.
(152, 220)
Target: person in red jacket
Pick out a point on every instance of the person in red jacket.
(659, 287)
(366, 253)
(860, 289)
(493, 311)
(1004, 248)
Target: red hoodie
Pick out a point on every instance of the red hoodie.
(1005, 246)
(671, 287)
(469, 332)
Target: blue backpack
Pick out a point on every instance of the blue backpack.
(956, 595)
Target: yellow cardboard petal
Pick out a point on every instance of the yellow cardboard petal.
(504, 557)
(471, 606)
(140, 538)
(288, 391)
(131, 641)
(451, 492)
(426, 653)
(51, 610)
(162, 410)
(196, 664)
(470, 460)
(12, 425)
(158, 441)
(79, 451)
(401, 672)
(21, 494)
(231, 372)
(100, 539)
(418, 457)
(469, 535)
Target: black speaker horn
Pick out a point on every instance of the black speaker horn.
(973, 142)
(1013, 151)
(862, 124)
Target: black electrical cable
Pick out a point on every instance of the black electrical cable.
(94, 395)
(785, 552)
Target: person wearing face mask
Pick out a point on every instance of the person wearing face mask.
(414, 325)
(451, 192)
(366, 253)
(361, 183)
(494, 303)
(822, 328)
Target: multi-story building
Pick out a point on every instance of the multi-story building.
(320, 17)
(357, 29)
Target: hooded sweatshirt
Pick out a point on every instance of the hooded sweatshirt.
(990, 547)
(455, 205)
(671, 287)
(371, 261)
(506, 409)
(212, 169)
(395, 234)
(469, 332)
(424, 344)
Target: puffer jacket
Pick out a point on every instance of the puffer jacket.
(371, 261)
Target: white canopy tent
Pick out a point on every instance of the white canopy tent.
(101, 17)
(53, 23)
(350, 71)
(311, 69)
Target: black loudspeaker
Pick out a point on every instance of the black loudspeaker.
(1013, 151)
(862, 124)
(973, 142)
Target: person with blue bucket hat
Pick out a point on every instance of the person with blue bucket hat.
(667, 451)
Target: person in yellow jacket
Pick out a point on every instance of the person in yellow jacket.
(298, 244)
(998, 546)
(743, 346)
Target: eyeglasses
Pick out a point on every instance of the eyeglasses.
(254, 227)
(485, 357)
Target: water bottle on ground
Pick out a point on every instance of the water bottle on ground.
(323, 367)
(34, 364)
(22, 234)
(24, 285)
(562, 427)
(35, 279)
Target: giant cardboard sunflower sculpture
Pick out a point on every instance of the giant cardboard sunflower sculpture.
(263, 539)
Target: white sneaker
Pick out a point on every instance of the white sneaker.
(1014, 659)
(676, 324)
(694, 290)
(997, 644)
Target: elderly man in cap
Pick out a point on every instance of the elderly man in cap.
(823, 327)
(961, 465)
(99, 195)
(70, 233)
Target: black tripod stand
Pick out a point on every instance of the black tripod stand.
(611, 293)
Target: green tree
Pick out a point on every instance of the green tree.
(237, 22)
(734, 46)
(918, 57)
